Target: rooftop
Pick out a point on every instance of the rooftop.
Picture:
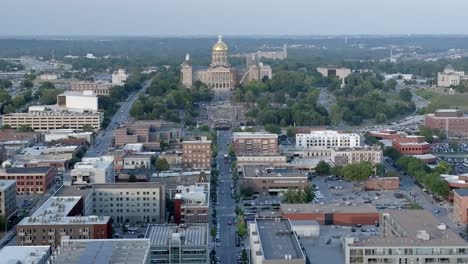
(44, 150)
(461, 192)
(77, 93)
(253, 171)
(31, 170)
(24, 254)
(189, 234)
(97, 251)
(426, 231)
(277, 239)
(327, 133)
(236, 135)
(327, 208)
(4, 184)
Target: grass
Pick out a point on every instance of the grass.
(438, 100)
(415, 206)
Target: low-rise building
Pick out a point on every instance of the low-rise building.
(382, 183)
(45, 156)
(345, 156)
(93, 170)
(271, 161)
(191, 204)
(188, 243)
(196, 154)
(332, 213)
(119, 77)
(412, 145)
(272, 241)
(452, 122)
(456, 181)
(172, 179)
(48, 77)
(255, 144)
(78, 251)
(149, 133)
(266, 180)
(387, 134)
(330, 71)
(58, 217)
(59, 134)
(30, 180)
(25, 254)
(98, 88)
(449, 77)
(7, 198)
(327, 139)
(137, 161)
(81, 101)
(460, 205)
(407, 236)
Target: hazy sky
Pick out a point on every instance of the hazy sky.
(232, 17)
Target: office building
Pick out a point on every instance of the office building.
(191, 203)
(196, 154)
(341, 73)
(460, 205)
(149, 133)
(130, 202)
(30, 180)
(172, 179)
(451, 122)
(266, 180)
(255, 144)
(7, 198)
(58, 217)
(81, 101)
(93, 170)
(407, 236)
(412, 145)
(269, 161)
(272, 241)
(61, 134)
(450, 77)
(345, 156)
(327, 139)
(25, 254)
(119, 77)
(174, 244)
(80, 251)
(98, 88)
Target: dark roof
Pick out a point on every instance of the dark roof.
(28, 170)
(461, 192)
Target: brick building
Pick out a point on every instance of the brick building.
(266, 180)
(196, 154)
(30, 180)
(450, 121)
(460, 205)
(345, 156)
(98, 88)
(384, 183)
(255, 144)
(332, 214)
(149, 133)
(191, 204)
(412, 145)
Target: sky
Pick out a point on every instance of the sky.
(233, 17)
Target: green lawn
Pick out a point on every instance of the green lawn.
(438, 100)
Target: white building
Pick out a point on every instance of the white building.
(327, 139)
(394, 76)
(25, 254)
(94, 170)
(48, 77)
(137, 161)
(119, 77)
(449, 77)
(85, 101)
(58, 134)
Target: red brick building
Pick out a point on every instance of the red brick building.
(385, 183)
(30, 180)
(460, 205)
(412, 145)
(332, 214)
(450, 121)
(255, 144)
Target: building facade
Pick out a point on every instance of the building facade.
(30, 180)
(450, 121)
(149, 133)
(327, 139)
(460, 205)
(7, 198)
(119, 77)
(449, 77)
(100, 89)
(196, 154)
(81, 101)
(412, 145)
(265, 180)
(341, 73)
(255, 144)
(93, 170)
(191, 203)
(381, 184)
(345, 156)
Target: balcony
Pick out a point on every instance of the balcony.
(21, 234)
(51, 233)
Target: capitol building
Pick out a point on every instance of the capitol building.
(220, 75)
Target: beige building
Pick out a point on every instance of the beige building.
(119, 77)
(407, 236)
(48, 120)
(7, 198)
(255, 144)
(256, 72)
(98, 88)
(273, 241)
(272, 161)
(196, 154)
(266, 180)
(93, 170)
(449, 77)
(345, 156)
(341, 73)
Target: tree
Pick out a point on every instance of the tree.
(162, 164)
(213, 232)
(25, 128)
(426, 133)
(358, 171)
(392, 153)
(241, 226)
(444, 168)
(291, 132)
(247, 191)
(231, 151)
(322, 168)
(138, 109)
(273, 129)
(132, 178)
(88, 128)
(406, 95)
(298, 195)
(48, 95)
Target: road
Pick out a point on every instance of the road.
(104, 140)
(225, 210)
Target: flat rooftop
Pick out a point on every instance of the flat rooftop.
(462, 192)
(24, 254)
(4, 184)
(237, 135)
(410, 223)
(327, 208)
(78, 93)
(277, 239)
(190, 234)
(253, 171)
(32, 170)
(97, 251)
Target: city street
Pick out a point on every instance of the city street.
(225, 211)
(104, 139)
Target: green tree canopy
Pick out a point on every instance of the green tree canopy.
(358, 171)
(322, 168)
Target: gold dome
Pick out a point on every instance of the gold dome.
(220, 45)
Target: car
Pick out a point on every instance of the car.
(436, 211)
(229, 222)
